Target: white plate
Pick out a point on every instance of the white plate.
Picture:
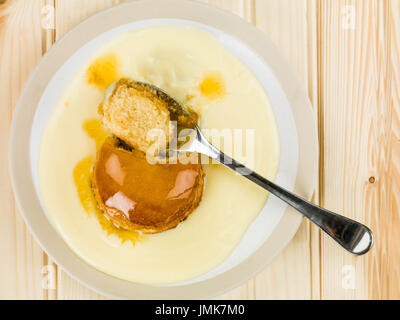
(274, 226)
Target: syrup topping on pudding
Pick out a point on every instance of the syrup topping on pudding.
(137, 195)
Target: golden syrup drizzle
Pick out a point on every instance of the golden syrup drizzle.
(95, 131)
(213, 85)
(82, 180)
(104, 71)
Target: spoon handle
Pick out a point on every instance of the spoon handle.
(351, 235)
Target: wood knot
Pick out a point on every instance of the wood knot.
(371, 179)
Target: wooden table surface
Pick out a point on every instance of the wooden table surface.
(348, 56)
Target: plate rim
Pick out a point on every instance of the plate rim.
(57, 55)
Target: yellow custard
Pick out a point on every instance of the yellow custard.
(212, 86)
(226, 96)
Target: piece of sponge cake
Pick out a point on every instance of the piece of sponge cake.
(135, 115)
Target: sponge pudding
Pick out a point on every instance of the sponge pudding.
(134, 194)
(137, 195)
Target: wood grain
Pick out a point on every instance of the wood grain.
(392, 270)
(20, 50)
(351, 73)
(358, 128)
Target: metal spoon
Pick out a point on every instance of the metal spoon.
(351, 235)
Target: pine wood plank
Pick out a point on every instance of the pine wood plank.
(383, 271)
(360, 123)
(393, 272)
(20, 50)
(345, 77)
